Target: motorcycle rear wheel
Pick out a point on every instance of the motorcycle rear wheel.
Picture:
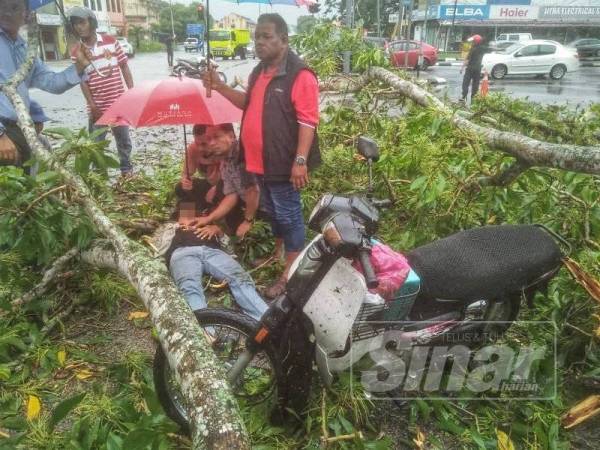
(228, 331)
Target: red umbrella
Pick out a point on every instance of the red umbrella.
(172, 101)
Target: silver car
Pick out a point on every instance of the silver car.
(126, 46)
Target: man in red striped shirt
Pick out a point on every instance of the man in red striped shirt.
(105, 77)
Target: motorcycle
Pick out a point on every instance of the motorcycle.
(470, 282)
(193, 68)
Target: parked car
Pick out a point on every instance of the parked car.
(514, 37)
(398, 50)
(191, 44)
(586, 47)
(126, 46)
(535, 57)
(250, 50)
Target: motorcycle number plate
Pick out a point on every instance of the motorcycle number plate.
(334, 305)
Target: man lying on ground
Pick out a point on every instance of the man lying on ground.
(191, 252)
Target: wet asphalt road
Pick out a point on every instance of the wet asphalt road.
(68, 109)
(576, 88)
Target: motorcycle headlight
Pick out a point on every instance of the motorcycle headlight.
(331, 235)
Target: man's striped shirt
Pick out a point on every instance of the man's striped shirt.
(108, 56)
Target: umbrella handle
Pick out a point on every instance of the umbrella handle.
(209, 87)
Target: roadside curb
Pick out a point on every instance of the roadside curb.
(449, 63)
(590, 63)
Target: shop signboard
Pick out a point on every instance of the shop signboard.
(51, 20)
(434, 14)
(464, 12)
(569, 12)
(513, 13)
(509, 2)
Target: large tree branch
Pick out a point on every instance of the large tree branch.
(529, 151)
(213, 412)
(48, 279)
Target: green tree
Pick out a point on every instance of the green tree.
(182, 15)
(305, 24)
(136, 32)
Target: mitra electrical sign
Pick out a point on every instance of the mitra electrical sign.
(464, 12)
(569, 12)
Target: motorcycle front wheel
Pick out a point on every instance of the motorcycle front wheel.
(227, 332)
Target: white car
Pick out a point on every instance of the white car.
(191, 44)
(535, 57)
(514, 37)
(126, 46)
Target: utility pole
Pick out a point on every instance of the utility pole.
(379, 18)
(407, 41)
(172, 23)
(423, 37)
(400, 19)
(451, 26)
(349, 22)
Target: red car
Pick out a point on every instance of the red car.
(398, 49)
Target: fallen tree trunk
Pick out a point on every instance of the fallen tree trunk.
(527, 150)
(213, 412)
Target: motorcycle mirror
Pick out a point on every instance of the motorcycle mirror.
(368, 148)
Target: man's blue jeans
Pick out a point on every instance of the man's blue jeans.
(123, 141)
(281, 202)
(188, 264)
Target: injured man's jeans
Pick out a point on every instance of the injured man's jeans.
(188, 264)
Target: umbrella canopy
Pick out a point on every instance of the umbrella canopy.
(172, 101)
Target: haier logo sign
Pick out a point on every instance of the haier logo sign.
(464, 12)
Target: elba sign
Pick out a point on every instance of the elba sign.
(464, 12)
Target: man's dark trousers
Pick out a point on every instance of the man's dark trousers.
(472, 76)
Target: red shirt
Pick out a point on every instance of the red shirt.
(305, 98)
(108, 57)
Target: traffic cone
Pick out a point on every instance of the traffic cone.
(485, 84)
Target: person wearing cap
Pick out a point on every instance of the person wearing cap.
(472, 67)
(105, 76)
(14, 149)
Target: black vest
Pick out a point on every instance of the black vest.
(279, 121)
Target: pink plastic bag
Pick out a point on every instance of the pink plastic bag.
(391, 269)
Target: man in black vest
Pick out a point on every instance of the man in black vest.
(278, 134)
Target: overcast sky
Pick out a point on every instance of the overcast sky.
(220, 8)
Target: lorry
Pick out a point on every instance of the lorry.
(229, 43)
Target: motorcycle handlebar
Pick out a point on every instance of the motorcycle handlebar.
(365, 262)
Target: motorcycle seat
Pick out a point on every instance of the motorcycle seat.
(484, 263)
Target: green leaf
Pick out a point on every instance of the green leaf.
(348, 427)
(139, 439)
(64, 408)
(114, 442)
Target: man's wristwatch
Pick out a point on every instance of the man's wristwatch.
(300, 160)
